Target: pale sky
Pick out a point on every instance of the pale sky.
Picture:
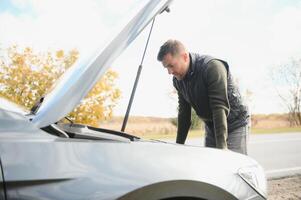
(251, 35)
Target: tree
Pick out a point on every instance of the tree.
(287, 80)
(99, 103)
(26, 75)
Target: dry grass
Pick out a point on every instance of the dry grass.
(143, 126)
(261, 121)
(155, 127)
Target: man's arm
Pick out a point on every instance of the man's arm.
(218, 100)
(184, 119)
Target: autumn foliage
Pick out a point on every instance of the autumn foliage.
(26, 75)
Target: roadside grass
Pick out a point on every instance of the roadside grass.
(200, 133)
(191, 134)
(275, 130)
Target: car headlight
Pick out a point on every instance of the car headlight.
(254, 175)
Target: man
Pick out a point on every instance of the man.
(205, 84)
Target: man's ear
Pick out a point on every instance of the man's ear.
(185, 56)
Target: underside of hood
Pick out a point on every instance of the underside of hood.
(75, 84)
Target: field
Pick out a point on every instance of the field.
(155, 127)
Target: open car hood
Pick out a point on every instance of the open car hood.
(75, 84)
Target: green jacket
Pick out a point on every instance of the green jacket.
(208, 88)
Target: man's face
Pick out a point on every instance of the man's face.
(176, 65)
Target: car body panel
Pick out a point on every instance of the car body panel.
(37, 164)
(2, 194)
(10, 106)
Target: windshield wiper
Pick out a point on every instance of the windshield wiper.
(88, 132)
(36, 106)
(71, 122)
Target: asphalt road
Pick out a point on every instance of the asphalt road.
(279, 154)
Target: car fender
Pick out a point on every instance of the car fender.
(178, 188)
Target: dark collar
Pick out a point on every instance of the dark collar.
(191, 68)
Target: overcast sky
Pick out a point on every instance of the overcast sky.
(253, 36)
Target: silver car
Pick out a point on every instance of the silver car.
(42, 159)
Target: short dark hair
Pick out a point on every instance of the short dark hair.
(170, 46)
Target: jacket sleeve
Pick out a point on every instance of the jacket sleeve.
(218, 100)
(184, 119)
